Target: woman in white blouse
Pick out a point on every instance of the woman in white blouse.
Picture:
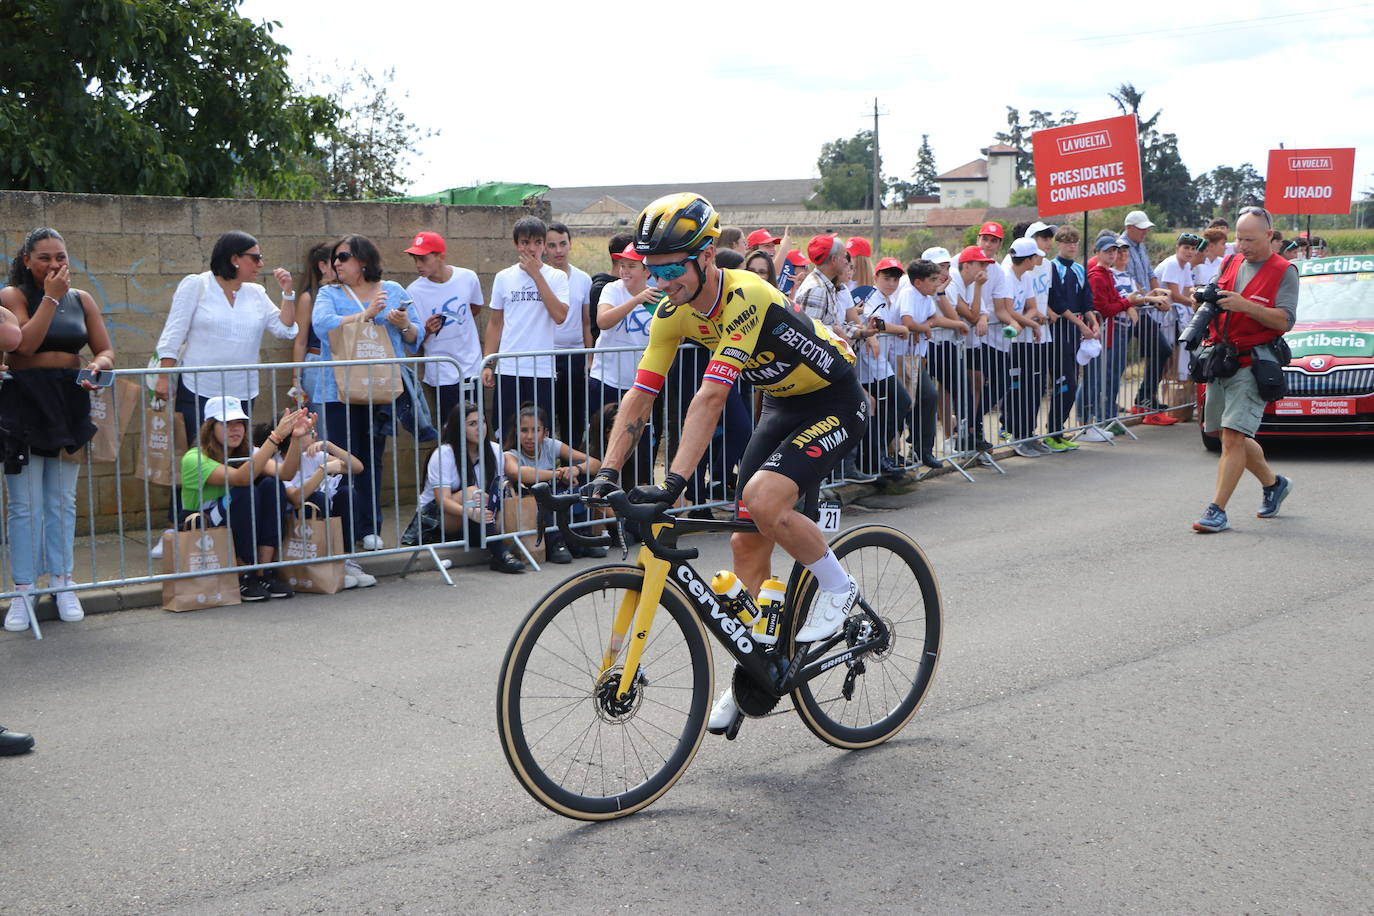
(217, 319)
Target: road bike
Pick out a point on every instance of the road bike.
(606, 686)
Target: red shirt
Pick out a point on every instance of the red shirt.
(1107, 300)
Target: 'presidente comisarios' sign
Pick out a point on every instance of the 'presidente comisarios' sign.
(1087, 166)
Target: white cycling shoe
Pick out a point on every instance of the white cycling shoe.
(724, 713)
(829, 613)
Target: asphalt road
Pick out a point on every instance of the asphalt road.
(1128, 717)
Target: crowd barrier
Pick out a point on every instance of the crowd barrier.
(953, 406)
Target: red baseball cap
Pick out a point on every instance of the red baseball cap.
(428, 243)
(888, 264)
(974, 254)
(761, 237)
(797, 258)
(629, 254)
(991, 228)
(823, 247)
(858, 246)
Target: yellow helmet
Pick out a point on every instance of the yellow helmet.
(677, 222)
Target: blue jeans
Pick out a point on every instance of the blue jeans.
(1097, 399)
(355, 428)
(48, 485)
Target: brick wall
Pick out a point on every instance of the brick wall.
(129, 253)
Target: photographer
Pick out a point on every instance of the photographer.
(1256, 301)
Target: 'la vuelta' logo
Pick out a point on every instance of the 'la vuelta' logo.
(1310, 163)
(1085, 142)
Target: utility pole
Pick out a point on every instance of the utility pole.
(877, 183)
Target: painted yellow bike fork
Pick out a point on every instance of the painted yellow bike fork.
(655, 576)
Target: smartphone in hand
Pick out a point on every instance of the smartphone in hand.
(98, 379)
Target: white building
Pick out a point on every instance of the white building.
(991, 179)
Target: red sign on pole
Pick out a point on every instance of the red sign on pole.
(1309, 181)
(1087, 166)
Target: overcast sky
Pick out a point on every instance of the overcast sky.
(590, 93)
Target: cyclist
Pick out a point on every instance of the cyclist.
(814, 411)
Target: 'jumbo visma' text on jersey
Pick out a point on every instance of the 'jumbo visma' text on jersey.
(751, 331)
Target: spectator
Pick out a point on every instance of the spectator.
(923, 319)
(535, 295)
(533, 456)
(245, 494)
(1028, 379)
(945, 356)
(1278, 246)
(306, 347)
(776, 247)
(323, 479)
(361, 295)
(965, 292)
(760, 263)
(624, 313)
(793, 272)
(1206, 270)
(574, 333)
(1155, 349)
(1031, 351)
(218, 318)
(860, 259)
(877, 324)
(1258, 303)
(729, 259)
(1071, 301)
(447, 300)
(1175, 274)
(602, 280)
(818, 296)
(45, 412)
(731, 239)
(469, 501)
(992, 363)
(1225, 227)
(1316, 247)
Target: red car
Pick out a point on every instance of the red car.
(1331, 378)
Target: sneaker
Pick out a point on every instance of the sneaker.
(373, 542)
(1274, 495)
(1094, 434)
(17, 617)
(361, 579)
(276, 586)
(251, 588)
(1159, 419)
(1004, 436)
(1040, 447)
(557, 553)
(350, 581)
(828, 613)
(1212, 521)
(724, 713)
(507, 563)
(1026, 450)
(985, 459)
(849, 470)
(156, 550)
(12, 743)
(69, 607)
(1058, 444)
(1116, 428)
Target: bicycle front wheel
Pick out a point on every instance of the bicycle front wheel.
(865, 702)
(576, 745)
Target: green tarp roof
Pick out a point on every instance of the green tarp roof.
(491, 194)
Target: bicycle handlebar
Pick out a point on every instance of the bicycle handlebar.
(647, 514)
(558, 505)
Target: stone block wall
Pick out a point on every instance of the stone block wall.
(130, 253)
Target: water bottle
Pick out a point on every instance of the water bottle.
(734, 596)
(772, 602)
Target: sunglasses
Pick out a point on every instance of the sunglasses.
(670, 271)
(341, 256)
(252, 254)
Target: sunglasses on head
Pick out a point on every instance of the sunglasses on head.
(670, 271)
(341, 256)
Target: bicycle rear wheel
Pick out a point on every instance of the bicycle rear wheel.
(885, 688)
(572, 743)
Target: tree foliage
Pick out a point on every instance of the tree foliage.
(149, 97)
(1224, 190)
(923, 177)
(1167, 182)
(1019, 136)
(846, 167)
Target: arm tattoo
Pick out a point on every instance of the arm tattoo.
(633, 429)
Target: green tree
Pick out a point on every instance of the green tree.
(846, 168)
(363, 154)
(1225, 190)
(923, 177)
(1019, 136)
(149, 97)
(1023, 197)
(1166, 178)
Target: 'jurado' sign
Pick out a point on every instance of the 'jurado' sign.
(1309, 181)
(1087, 166)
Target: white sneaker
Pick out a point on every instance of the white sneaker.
(1040, 447)
(17, 617)
(69, 607)
(828, 613)
(1094, 434)
(1026, 450)
(723, 713)
(156, 550)
(372, 542)
(360, 578)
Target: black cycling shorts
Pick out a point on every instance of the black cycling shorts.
(805, 436)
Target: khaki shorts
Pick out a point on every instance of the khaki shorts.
(1233, 403)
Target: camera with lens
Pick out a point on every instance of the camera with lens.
(1207, 299)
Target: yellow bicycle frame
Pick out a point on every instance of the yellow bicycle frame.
(641, 606)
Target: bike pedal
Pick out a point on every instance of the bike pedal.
(732, 729)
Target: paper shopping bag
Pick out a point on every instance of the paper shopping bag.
(204, 550)
(380, 383)
(112, 409)
(314, 538)
(163, 442)
(521, 513)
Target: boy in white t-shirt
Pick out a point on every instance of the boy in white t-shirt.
(574, 333)
(624, 314)
(924, 321)
(447, 300)
(528, 302)
(878, 328)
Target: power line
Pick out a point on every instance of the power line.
(1209, 26)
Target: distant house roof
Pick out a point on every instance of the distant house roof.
(1000, 149)
(771, 194)
(977, 170)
